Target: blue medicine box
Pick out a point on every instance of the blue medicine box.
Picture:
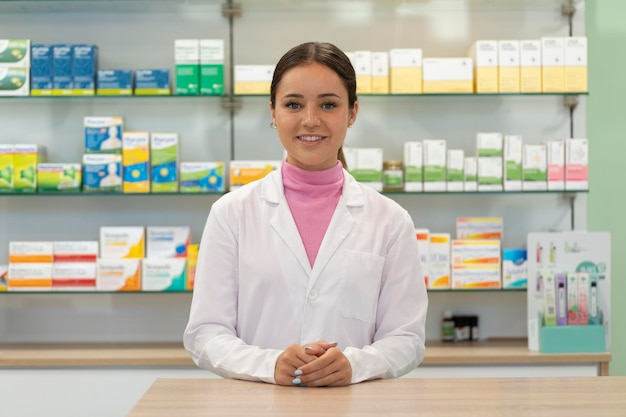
(62, 66)
(41, 67)
(85, 56)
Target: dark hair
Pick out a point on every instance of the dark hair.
(323, 53)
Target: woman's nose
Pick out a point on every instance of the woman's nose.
(310, 117)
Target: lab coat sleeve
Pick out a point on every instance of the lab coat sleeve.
(398, 342)
(211, 336)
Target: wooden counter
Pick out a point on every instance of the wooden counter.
(494, 397)
(497, 352)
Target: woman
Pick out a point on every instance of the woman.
(307, 277)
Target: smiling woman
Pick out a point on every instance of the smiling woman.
(307, 277)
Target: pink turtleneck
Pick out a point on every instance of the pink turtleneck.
(312, 197)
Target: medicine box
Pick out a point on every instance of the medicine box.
(470, 173)
(14, 81)
(30, 277)
(435, 164)
(59, 177)
(187, 59)
(62, 69)
(413, 166)
(201, 177)
(366, 165)
(136, 162)
(253, 79)
(15, 53)
(103, 134)
(164, 162)
(75, 251)
(74, 276)
(576, 164)
(41, 70)
(192, 262)
(439, 262)
(212, 67)
(530, 66)
(85, 64)
(479, 228)
(118, 275)
(167, 241)
(244, 172)
(514, 268)
(164, 274)
(380, 73)
(116, 82)
(102, 173)
(553, 65)
(484, 54)
(26, 157)
(405, 71)
(423, 250)
(448, 75)
(6, 168)
(30, 252)
(122, 242)
(363, 71)
(152, 82)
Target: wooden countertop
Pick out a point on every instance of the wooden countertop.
(174, 355)
(493, 397)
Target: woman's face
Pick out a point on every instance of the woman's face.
(312, 115)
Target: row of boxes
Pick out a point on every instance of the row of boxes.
(150, 274)
(148, 163)
(570, 298)
(72, 69)
(548, 65)
(501, 162)
(474, 260)
(115, 243)
(154, 258)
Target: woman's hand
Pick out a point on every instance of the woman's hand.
(317, 364)
(289, 361)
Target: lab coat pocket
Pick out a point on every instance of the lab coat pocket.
(360, 285)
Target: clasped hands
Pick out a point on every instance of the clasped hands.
(318, 364)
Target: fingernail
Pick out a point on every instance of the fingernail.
(298, 372)
(308, 348)
(334, 343)
(296, 381)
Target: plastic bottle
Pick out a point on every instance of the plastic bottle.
(447, 327)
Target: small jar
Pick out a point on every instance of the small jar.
(393, 176)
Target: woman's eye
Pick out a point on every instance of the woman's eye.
(292, 106)
(328, 106)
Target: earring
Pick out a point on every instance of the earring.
(272, 125)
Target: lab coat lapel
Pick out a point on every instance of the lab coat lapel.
(340, 226)
(282, 221)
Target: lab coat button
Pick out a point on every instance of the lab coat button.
(312, 295)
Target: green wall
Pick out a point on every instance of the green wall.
(606, 129)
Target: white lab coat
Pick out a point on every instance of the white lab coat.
(255, 292)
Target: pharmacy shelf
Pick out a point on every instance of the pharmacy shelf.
(48, 6)
(488, 352)
(79, 292)
(561, 94)
(570, 194)
(104, 96)
(402, 6)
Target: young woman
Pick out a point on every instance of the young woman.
(307, 277)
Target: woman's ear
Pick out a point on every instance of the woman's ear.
(273, 114)
(353, 112)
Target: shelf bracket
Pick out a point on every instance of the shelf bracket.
(570, 101)
(568, 8)
(231, 103)
(230, 9)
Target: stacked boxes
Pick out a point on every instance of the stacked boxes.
(30, 266)
(212, 67)
(14, 67)
(74, 267)
(187, 58)
(489, 153)
(165, 266)
(121, 252)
